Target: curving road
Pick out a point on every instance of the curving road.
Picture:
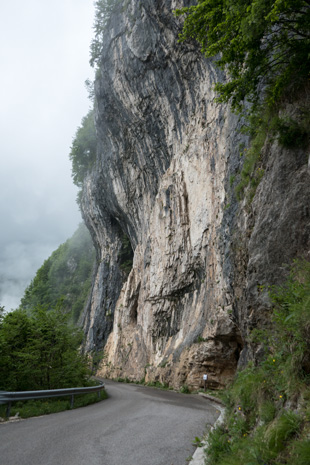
(137, 425)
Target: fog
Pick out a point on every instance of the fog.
(44, 58)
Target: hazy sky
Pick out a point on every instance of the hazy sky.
(44, 58)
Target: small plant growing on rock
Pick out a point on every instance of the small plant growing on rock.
(197, 442)
(185, 389)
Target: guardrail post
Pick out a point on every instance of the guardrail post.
(8, 409)
(72, 400)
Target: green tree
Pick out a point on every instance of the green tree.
(84, 148)
(262, 44)
(103, 11)
(40, 350)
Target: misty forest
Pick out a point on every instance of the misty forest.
(193, 256)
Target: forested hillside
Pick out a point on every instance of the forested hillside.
(65, 277)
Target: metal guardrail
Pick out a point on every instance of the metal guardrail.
(7, 397)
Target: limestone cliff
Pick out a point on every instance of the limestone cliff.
(163, 177)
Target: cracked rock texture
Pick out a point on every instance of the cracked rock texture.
(163, 177)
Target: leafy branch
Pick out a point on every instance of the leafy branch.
(248, 38)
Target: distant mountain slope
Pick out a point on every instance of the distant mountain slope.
(65, 276)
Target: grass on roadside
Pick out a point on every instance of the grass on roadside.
(268, 405)
(33, 408)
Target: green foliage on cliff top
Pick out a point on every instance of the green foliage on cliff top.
(65, 277)
(262, 44)
(264, 47)
(103, 11)
(268, 405)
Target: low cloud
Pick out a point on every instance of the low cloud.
(18, 262)
(44, 64)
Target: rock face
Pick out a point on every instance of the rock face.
(167, 157)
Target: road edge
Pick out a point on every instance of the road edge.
(199, 454)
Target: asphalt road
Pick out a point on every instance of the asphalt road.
(136, 426)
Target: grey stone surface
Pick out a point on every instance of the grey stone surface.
(167, 154)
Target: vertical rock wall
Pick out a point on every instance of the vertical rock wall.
(167, 155)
